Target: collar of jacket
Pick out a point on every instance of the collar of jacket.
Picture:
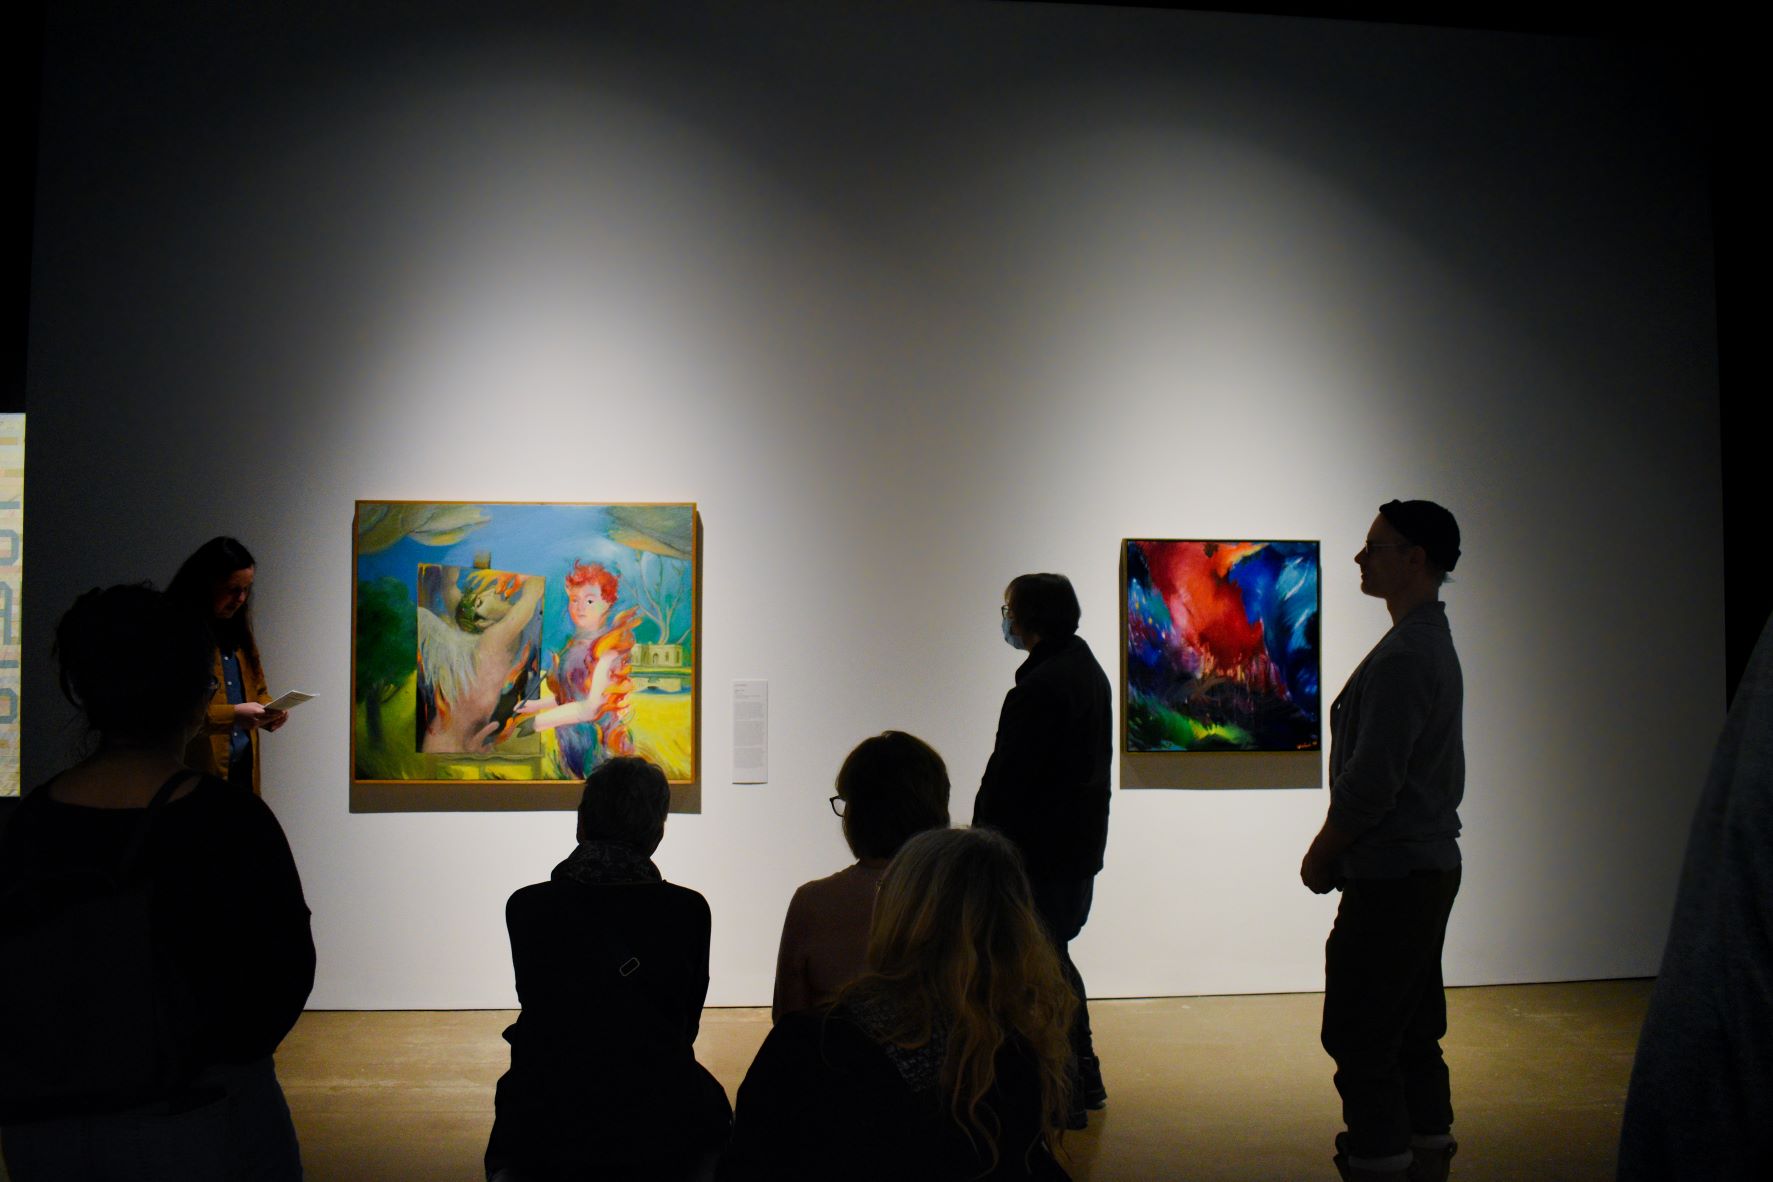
(1043, 652)
(1432, 614)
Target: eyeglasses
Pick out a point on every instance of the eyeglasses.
(1003, 609)
(1389, 546)
(837, 804)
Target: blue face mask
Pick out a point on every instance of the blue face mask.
(1009, 637)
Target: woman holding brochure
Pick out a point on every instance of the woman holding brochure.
(216, 583)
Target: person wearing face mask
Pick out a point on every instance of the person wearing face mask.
(1046, 785)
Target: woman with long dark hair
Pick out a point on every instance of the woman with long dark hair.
(946, 1060)
(153, 931)
(215, 583)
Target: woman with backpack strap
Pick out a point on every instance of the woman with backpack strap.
(158, 920)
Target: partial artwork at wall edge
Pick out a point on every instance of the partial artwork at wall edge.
(12, 580)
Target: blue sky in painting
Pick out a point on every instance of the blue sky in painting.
(533, 540)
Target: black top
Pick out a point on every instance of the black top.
(1046, 787)
(603, 1065)
(822, 1101)
(227, 902)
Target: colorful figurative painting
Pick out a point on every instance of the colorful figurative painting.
(1221, 646)
(522, 642)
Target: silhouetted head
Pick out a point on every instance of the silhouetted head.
(1426, 524)
(1042, 607)
(136, 664)
(626, 799)
(893, 785)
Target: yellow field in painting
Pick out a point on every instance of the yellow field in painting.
(661, 725)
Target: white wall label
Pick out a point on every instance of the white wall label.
(751, 732)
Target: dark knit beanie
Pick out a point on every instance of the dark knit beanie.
(1427, 525)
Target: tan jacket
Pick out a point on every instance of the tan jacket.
(208, 751)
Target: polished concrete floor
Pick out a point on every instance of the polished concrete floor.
(1207, 1088)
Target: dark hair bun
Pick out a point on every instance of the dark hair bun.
(133, 662)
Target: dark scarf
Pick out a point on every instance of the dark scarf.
(607, 863)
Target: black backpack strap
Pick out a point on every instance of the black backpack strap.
(132, 853)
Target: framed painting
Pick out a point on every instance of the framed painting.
(500, 651)
(1220, 647)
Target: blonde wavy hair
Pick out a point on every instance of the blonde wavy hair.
(956, 947)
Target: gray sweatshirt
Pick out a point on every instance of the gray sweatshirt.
(1397, 752)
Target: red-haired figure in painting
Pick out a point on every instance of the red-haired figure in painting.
(587, 705)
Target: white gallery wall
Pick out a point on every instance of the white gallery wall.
(908, 299)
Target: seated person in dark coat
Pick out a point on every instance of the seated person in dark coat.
(612, 970)
(946, 1061)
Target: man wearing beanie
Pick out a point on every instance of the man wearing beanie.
(1390, 844)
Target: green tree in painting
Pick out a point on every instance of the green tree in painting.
(663, 588)
(386, 624)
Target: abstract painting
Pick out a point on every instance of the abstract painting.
(1221, 646)
(521, 644)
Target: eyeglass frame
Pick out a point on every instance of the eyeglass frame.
(838, 804)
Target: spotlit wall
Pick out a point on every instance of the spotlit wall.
(908, 301)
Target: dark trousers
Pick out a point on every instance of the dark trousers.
(1063, 902)
(1385, 1011)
